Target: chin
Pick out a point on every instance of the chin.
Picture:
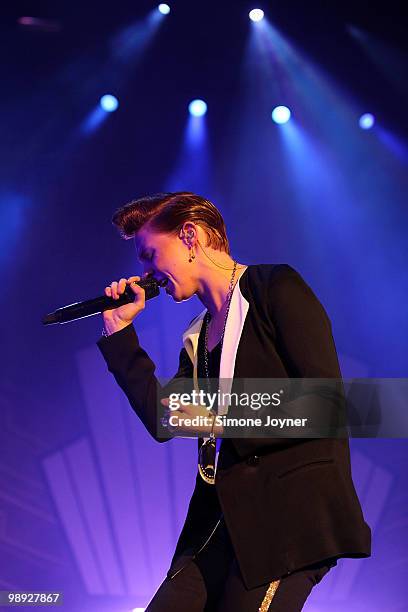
(177, 296)
(183, 298)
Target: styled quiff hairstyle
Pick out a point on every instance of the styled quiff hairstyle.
(166, 213)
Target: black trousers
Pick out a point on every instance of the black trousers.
(212, 582)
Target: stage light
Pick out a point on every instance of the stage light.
(164, 9)
(366, 121)
(256, 15)
(36, 23)
(109, 103)
(197, 108)
(281, 114)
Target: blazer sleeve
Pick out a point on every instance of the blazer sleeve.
(134, 372)
(305, 344)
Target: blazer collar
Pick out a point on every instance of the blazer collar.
(233, 329)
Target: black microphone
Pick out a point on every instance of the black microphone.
(80, 310)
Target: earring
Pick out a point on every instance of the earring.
(192, 255)
(190, 234)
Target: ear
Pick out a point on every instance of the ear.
(188, 232)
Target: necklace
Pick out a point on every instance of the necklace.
(207, 451)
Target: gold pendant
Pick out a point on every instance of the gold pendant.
(206, 460)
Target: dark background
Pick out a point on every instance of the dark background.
(344, 227)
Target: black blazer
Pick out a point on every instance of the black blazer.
(287, 502)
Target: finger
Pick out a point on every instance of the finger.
(136, 288)
(108, 291)
(191, 409)
(114, 287)
(131, 279)
(165, 401)
(121, 286)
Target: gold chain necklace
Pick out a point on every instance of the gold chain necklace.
(207, 451)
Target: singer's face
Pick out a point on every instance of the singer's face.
(165, 257)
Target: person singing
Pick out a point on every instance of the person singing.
(269, 518)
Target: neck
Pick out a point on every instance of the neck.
(213, 286)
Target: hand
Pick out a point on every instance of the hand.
(118, 318)
(186, 412)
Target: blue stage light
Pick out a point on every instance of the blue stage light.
(109, 103)
(256, 15)
(281, 114)
(164, 9)
(197, 108)
(366, 121)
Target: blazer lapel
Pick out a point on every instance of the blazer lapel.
(233, 329)
(238, 310)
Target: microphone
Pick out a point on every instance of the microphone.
(80, 310)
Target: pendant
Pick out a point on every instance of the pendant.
(206, 460)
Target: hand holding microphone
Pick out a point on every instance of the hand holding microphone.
(118, 318)
(122, 301)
